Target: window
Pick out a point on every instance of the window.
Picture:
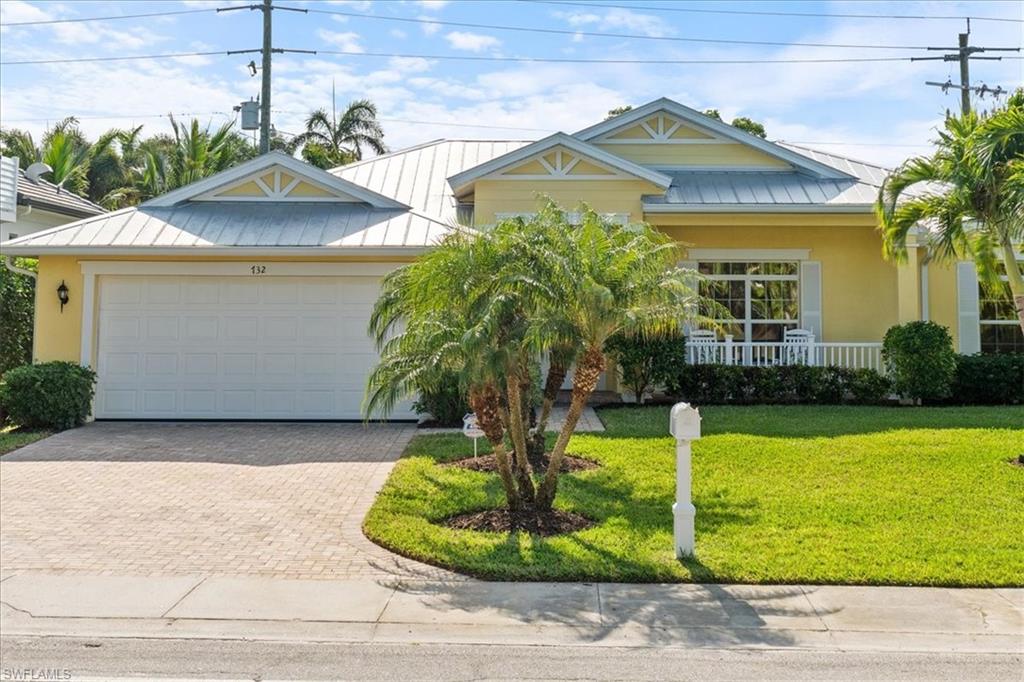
(762, 297)
(1000, 328)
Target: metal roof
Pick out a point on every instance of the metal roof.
(753, 188)
(46, 196)
(197, 226)
(418, 176)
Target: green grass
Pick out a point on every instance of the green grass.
(852, 495)
(12, 438)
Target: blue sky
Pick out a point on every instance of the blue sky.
(876, 111)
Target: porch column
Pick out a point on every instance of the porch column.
(908, 286)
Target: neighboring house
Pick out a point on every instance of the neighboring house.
(246, 295)
(31, 204)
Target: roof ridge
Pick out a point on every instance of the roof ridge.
(403, 150)
(60, 189)
(838, 156)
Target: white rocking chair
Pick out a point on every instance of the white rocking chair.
(798, 347)
(704, 347)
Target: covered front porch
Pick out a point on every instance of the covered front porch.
(798, 347)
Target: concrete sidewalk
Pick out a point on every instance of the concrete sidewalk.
(605, 614)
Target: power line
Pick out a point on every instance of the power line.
(571, 60)
(124, 58)
(629, 36)
(771, 13)
(106, 18)
(471, 58)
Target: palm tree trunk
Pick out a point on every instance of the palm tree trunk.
(1015, 278)
(588, 371)
(484, 402)
(553, 384)
(517, 430)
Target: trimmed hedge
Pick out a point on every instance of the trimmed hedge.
(647, 362)
(446, 404)
(996, 379)
(786, 384)
(919, 359)
(50, 395)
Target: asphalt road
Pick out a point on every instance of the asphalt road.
(192, 659)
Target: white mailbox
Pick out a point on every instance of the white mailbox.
(684, 423)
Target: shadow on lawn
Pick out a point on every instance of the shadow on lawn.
(805, 421)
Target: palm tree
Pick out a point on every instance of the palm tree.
(489, 305)
(427, 323)
(610, 279)
(967, 196)
(330, 141)
(63, 148)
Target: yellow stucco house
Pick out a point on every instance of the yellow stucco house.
(246, 295)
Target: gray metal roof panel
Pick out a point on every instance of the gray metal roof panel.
(244, 224)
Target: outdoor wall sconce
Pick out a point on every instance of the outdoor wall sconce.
(62, 295)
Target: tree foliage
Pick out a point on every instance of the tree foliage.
(17, 296)
(330, 141)
(490, 306)
(965, 199)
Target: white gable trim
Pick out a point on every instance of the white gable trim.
(712, 127)
(463, 180)
(277, 191)
(266, 161)
(561, 169)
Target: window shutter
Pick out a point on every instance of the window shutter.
(810, 297)
(968, 308)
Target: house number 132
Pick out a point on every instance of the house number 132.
(258, 269)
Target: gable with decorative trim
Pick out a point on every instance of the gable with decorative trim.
(277, 184)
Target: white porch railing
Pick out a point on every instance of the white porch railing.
(772, 353)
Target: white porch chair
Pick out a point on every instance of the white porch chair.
(798, 347)
(704, 347)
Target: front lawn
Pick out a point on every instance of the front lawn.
(855, 495)
(12, 439)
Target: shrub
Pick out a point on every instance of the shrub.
(989, 379)
(647, 362)
(721, 384)
(920, 360)
(51, 395)
(868, 387)
(447, 403)
(17, 296)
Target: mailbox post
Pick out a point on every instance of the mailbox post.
(684, 425)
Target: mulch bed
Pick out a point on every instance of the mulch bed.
(555, 522)
(489, 464)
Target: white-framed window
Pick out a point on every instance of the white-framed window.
(763, 297)
(1000, 328)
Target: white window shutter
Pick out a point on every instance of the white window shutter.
(810, 297)
(968, 308)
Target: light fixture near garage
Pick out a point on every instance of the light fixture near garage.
(62, 295)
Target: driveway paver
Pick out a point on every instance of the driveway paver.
(282, 500)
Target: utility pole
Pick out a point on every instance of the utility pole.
(964, 53)
(268, 26)
(965, 69)
(267, 7)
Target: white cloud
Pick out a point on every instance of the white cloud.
(472, 42)
(398, 33)
(410, 64)
(618, 19)
(430, 27)
(347, 41)
(15, 11)
(433, 5)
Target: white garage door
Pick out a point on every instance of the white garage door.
(234, 347)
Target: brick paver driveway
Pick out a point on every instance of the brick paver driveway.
(271, 499)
